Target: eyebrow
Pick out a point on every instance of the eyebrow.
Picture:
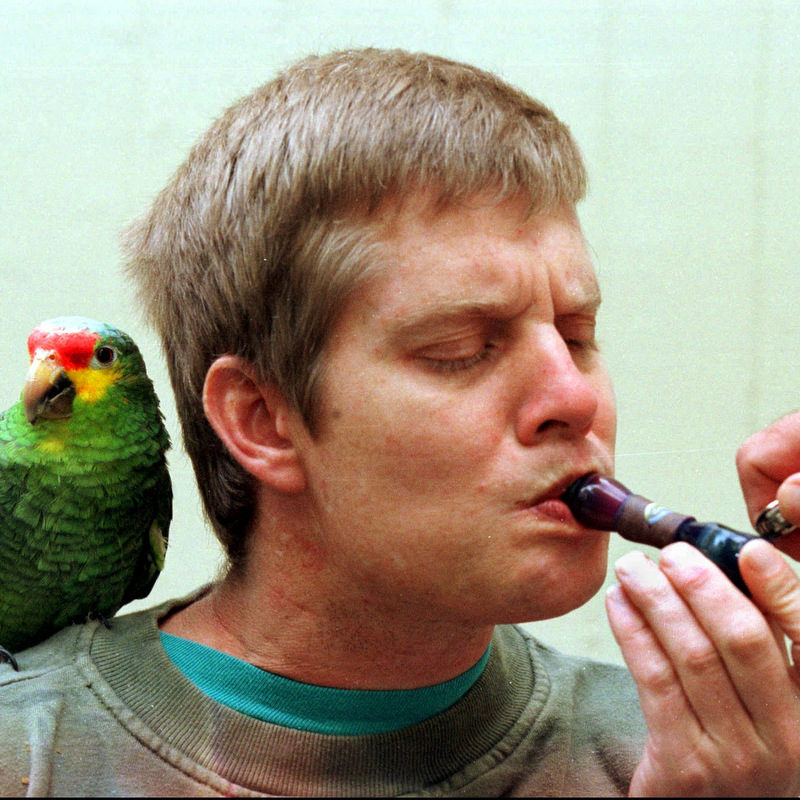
(590, 301)
(451, 311)
(420, 320)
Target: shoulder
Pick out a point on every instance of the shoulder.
(60, 671)
(598, 702)
(47, 663)
(595, 690)
(598, 698)
(58, 700)
(591, 708)
(584, 675)
(67, 652)
(48, 698)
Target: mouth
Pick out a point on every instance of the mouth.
(550, 503)
(48, 391)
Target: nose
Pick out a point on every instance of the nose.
(558, 396)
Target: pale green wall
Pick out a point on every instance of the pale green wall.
(689, 117)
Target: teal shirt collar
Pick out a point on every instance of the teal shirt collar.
(303, 706)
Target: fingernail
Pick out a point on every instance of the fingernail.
(680, 554)
(614, 594)
(629, 562)
(760, 556)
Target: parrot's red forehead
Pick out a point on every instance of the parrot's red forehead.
(75, 348)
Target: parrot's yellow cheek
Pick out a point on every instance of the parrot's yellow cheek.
(91, 385)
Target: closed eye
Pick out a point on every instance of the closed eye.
(578, 332)
(463, 348)
(441, 364)
(579, 344)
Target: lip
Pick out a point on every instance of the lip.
(549, 503)
(557, 489)
(554, 509)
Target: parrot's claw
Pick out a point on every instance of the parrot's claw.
(6, 656)
(96, 616)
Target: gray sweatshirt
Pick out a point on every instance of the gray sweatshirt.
(99, 712)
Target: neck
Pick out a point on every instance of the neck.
(291, 618)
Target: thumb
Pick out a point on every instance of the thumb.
(775, 589)
(789, 499)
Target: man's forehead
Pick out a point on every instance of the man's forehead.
(484, 264)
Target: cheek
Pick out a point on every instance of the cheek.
(413, 446)
(434, 445)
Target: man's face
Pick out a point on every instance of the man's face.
(463, 392)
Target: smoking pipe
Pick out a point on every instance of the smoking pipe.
(601, 502)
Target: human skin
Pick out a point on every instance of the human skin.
(719, 690)
(768, 463)
(463, 391)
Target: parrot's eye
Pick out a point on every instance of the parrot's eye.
(104, 356)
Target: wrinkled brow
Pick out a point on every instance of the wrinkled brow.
(586, 301)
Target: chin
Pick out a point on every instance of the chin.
(546, 599)
(537, 611)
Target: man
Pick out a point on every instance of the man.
(379, 316)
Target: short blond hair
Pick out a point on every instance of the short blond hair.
(260, 236)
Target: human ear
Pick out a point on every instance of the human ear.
(252, 420)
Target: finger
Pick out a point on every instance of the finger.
(789, 499)
(698, 666)
(788, 495)
(660, 694)
(789, 544)
(742, 637)
(765, 459)
(775, 589)
(780, 640)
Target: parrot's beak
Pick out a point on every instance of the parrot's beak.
(48, 392)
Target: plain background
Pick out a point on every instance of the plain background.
(688, 115)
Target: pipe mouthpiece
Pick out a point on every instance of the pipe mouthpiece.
(596, 500)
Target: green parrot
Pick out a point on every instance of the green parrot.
(85, 495)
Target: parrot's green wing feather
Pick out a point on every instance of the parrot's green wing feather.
(153, 553)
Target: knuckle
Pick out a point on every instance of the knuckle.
(658, 679)
(695, 577)
(693, 779)
(699, 658)
(746, 453)
(746, 771)
(747, 764)
(783, 584)
(743, 450)
(702, 772)
(784, 600)
(749, 642)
